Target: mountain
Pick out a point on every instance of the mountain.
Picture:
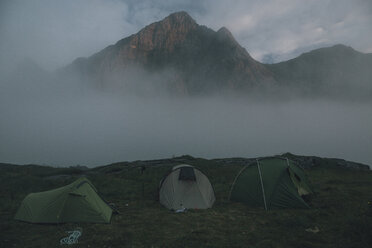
(182, 57)
(336, 70)
(190, 58)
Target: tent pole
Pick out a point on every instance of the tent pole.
(263, 189)
(287, 162)
(232, 186)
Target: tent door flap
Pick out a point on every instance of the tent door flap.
(187, 174)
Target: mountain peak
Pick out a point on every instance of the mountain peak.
(200, 59)
(342, 46)
(225, 34)
(178, 21)
(165, 34)
(343, 49)
(181, 16)
(225, 31)
(335, 51)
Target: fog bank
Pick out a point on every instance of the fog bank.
(93, 129)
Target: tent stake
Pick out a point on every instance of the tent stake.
(262, 186)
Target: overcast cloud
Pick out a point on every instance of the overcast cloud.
(54, 32)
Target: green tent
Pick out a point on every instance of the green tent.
(76, 202)
(186, 187)
(271, 183)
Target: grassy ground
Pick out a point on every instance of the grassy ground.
(339, 209)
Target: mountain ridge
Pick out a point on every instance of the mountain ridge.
(178, 55)
(334, 70)
(201, 59)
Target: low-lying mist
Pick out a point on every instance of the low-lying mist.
(61, 125)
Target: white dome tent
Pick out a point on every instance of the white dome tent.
(186, 187)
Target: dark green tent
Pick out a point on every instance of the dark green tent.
(271, 183)
(76, 202)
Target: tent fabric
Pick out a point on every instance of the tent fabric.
(76, 202)
(176, 193)
(300, 180)
(280, 184)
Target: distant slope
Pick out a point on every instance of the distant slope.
(336, 70)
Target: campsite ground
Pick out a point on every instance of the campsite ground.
(339, 210)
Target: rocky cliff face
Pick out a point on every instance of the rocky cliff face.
(180, 55)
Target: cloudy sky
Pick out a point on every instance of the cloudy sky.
(54, 32)
(61, 124)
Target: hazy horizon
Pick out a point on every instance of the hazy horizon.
(95, 128)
